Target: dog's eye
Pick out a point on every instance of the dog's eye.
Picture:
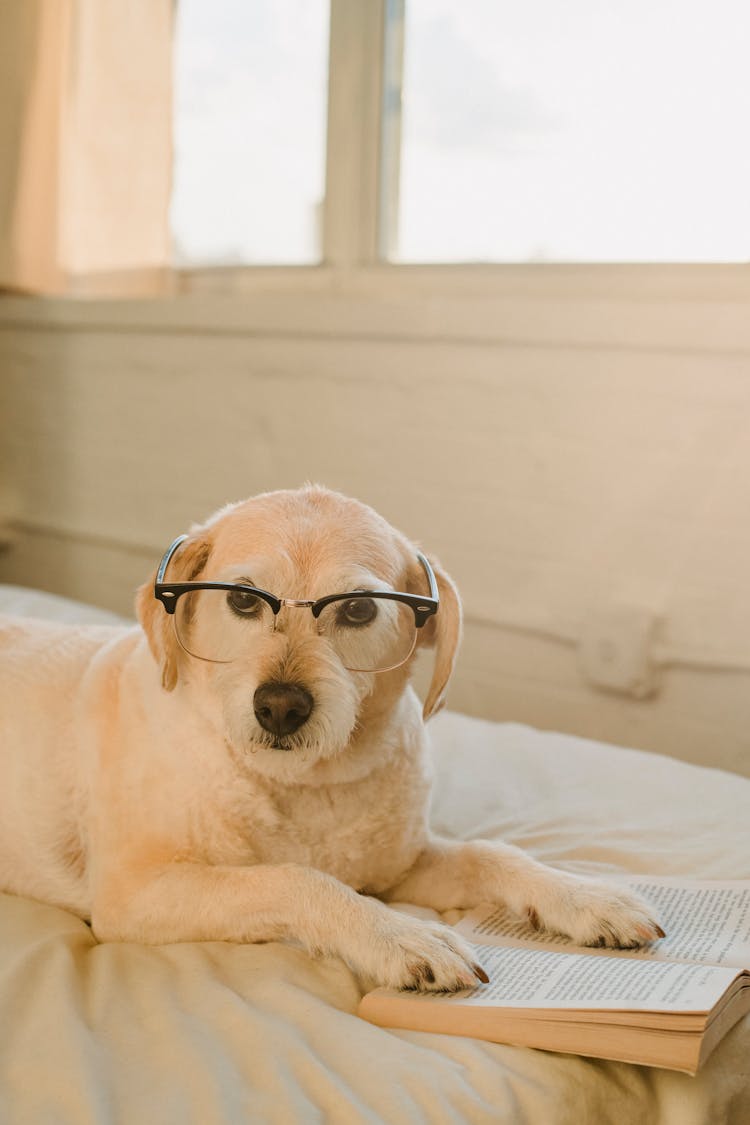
(245, 603)
(359, 611)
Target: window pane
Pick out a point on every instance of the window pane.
(250, 125)
(590, 130)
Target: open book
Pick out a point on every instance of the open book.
(667, 1005)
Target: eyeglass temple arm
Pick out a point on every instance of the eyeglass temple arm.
(162, 569)
(424, 612)
(434, 594)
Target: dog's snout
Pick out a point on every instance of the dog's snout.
(282, 708)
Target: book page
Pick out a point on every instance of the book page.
(532, 978)
(705, 921)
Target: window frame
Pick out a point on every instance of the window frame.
(354, 292)
(353, 266)
(351, 206)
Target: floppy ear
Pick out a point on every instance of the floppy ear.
(443, 630)
(184, 566)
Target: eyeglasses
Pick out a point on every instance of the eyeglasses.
(369, 630)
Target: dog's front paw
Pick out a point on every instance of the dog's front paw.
(597, 914)
(404, 952)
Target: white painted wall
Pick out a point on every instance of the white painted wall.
(577, 453)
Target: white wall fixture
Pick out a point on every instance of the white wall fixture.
(616, 649)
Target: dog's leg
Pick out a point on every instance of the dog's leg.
(452, 873)
(198, 902)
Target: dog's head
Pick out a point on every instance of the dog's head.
(287, 682)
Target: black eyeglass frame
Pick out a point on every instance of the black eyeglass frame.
(169, 593)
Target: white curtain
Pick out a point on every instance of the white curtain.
(85, 144)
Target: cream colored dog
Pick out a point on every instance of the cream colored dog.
(273, 791)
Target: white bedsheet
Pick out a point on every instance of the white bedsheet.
(214, 1033)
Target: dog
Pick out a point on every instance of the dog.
(236, 767)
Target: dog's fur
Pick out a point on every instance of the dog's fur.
(138, 789)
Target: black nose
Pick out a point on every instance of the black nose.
(282, 708)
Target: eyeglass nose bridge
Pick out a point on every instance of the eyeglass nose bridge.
(292, 603)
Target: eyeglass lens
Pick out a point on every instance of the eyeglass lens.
(367, 634)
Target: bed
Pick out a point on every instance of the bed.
(215, 1033)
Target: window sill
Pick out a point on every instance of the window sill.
(663, 307)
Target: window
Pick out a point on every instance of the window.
(481, 131)
(578, 131)
(250, 125)
(354, 136)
